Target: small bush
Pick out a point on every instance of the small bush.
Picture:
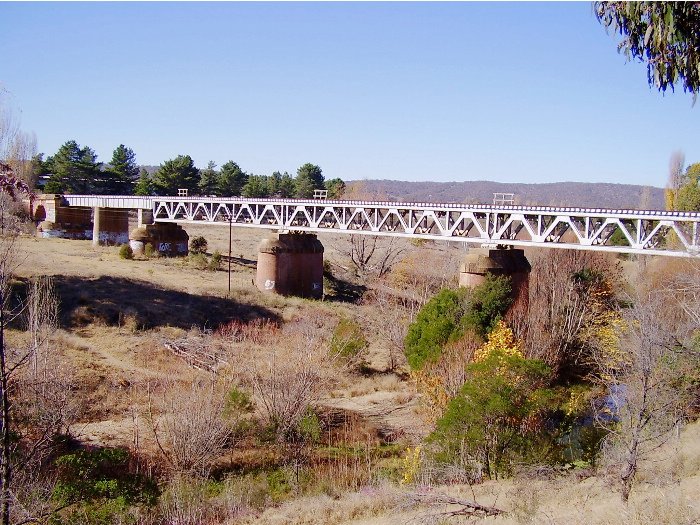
(451, 314)
(498, 418)
(149, 251)
(198, 245)
(125, 252)
(348, 341)
(488, 302)
(198, 261)
(215, 261)
(99, 486)
(433, 327)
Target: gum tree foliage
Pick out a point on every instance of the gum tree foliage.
(688, 195)
(448, 315)
(309, 178)
(175, 174)
(665, 35)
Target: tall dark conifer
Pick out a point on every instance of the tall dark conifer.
(119, 179)
(175, 174)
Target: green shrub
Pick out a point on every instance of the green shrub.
(348, 341)
(198, 245)
(99, 487)
(452, 313)
(434, 326)
(149, 251)
(198, 261)
(496, 419)
(278, 485)
(101, 474)
(98, 512)
(125, 252)
(309, 427)
(487, 304)
(215, 261)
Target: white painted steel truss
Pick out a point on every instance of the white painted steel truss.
(639, 231)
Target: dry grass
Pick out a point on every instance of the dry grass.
(667, 495)
(115, 314)
(326, 510)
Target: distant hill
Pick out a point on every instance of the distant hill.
(573, 194)
(150, 169)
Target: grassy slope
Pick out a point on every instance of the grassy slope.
(107, 301)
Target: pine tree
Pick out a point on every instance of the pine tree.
(286, 187)
(38, 168)
(144, 185)
(335, 187)
(231, 180)
(273, 184)
(256, 187)
(175, 174)
(309, 178)
(123, 172)
(208, 181)
(74, 169)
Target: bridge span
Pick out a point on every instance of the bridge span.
(653, 232)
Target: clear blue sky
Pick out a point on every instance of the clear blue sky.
(511, 92)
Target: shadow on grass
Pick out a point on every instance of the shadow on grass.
(340, 290)
(115, 301)
(239, 261)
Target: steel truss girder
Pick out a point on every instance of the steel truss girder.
(642, 231)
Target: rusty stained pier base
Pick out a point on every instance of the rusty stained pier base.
(291, 264)
(167, 238)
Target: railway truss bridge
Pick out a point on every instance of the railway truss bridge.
(652, 232)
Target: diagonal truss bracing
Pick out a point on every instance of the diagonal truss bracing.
(627, 231)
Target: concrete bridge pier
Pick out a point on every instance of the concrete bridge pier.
(57, 220)
(144, 217)
(497, 261)
(167, 238)
(110, 226)
(291, 264)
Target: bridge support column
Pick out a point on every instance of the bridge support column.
(110, 226)
(96, 226)
(144, 217)
(168, 238)
(502, 261)
(56, 220)
(291, 264)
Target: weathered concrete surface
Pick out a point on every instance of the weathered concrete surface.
(166, 237)
(291, 264)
